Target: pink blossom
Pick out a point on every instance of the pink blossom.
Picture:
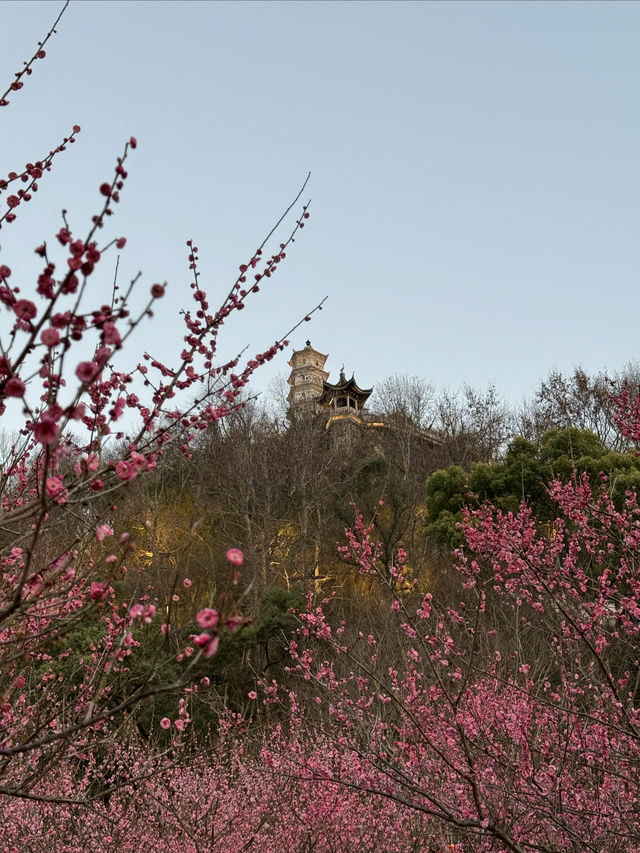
(207, 618)
(139, 460)
(86, 371)
(201, 639)
(136, 611)
(110, 334)
(233, 621)
(118, 408)
(165, 723)
(252, 694)
(235, 556)
(97, 591)
(125, 470)
(186, 583)
(103, 531)
(149, 613)
(212, 647)
(102, 355)
(50, 337)
(179, 724)
(54, 486)
(92, 462)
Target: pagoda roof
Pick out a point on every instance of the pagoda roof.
(344, 386)
(309, 349)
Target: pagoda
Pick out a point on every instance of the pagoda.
(344, 400)
(311, 392)
(307, 379)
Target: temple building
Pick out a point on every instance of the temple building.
(340, 407)
(311, 392)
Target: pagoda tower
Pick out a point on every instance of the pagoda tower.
(307, 379)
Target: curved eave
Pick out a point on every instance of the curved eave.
(350, 387)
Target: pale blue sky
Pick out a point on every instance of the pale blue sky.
(475, 171)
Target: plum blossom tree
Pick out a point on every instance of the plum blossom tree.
(511, 720)
(92, 420)
(506, 719)
(231, 800)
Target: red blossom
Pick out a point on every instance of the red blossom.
(92, 254)
(110, 334)
(15, 387)
(86, 371)
(45, 431)
(50, 337)
(25, 309)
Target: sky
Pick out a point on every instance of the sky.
(474, 173)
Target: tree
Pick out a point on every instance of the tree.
(524, 475)
(511, 722)
(579, 401)
(473, 428)
(65, 366)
